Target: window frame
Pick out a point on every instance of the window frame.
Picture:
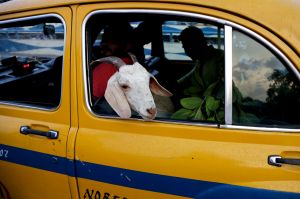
(228, 75)
(228, 27)
(22, 19)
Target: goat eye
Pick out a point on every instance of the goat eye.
(124, 86)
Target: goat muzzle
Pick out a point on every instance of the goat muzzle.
(151, 112)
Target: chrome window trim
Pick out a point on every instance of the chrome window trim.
(228, 59)
(86, 80)
(16, 104)
(266, 129)
(228, 74)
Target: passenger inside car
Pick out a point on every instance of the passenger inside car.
(115, 42)
(209, 62)
(203, 86)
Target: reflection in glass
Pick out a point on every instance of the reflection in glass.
(265, 92)
(31, 57)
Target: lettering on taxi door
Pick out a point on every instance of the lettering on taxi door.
(95, 194)
(3, 153)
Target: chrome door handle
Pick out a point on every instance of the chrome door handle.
(276, 160)
(51, 134)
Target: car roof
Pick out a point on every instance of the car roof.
(279, 16)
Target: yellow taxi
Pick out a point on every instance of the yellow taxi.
(233, 129)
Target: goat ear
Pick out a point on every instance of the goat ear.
(116, 98)
(156, 88)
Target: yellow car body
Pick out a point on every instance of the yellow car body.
(108, 157)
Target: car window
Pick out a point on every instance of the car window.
(31, 55)
(265, 91)
(196, 81)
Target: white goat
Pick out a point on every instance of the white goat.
(130, 88)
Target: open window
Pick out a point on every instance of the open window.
(31, 55)
(198, 94)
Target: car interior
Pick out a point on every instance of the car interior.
(29, 72)
(153, 55)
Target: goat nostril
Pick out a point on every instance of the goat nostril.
(151, 111)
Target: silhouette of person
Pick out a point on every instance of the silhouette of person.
(209, 62)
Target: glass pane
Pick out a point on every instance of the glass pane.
(265, 92)
(31, 62)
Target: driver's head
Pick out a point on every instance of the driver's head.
(193, 41)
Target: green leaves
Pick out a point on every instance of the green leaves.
(210, 89)
(201, 103)
(191, 102)
(183, 114)
(195, 108)
(189, 111)
(211, 105)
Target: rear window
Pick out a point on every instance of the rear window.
(31, 55)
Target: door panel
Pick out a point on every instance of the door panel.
(35, 166)
(134, 158)
(181, 160)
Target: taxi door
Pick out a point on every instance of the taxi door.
(134, 158)
(33, 138)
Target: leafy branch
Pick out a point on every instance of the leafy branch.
(199, 105)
